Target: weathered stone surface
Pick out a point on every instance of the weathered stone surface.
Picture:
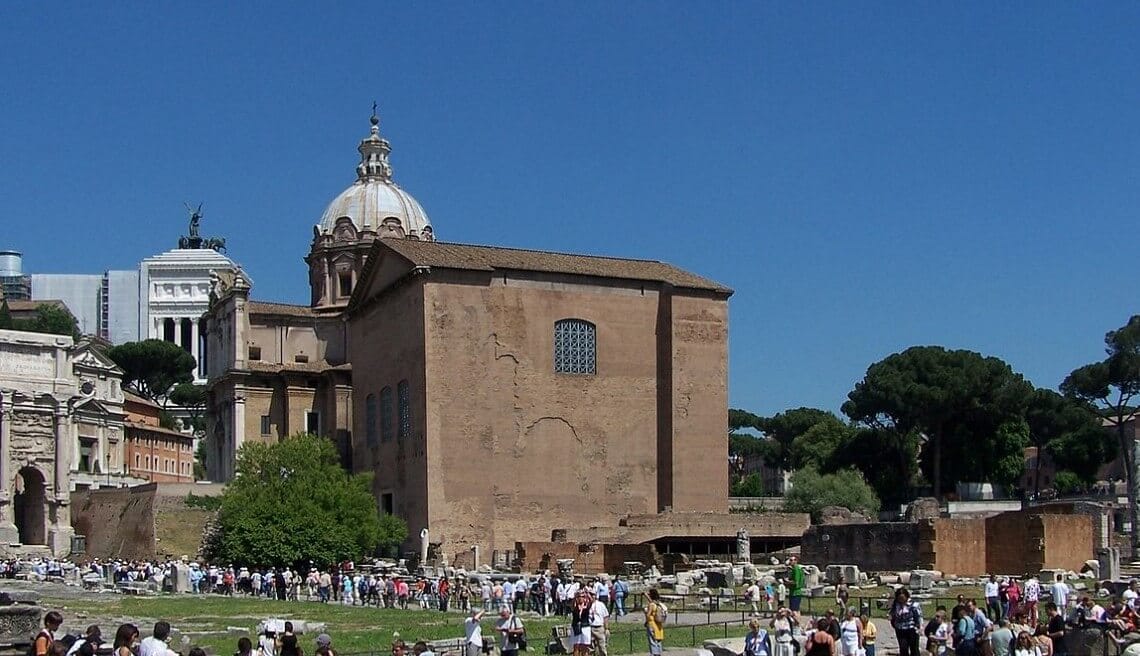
(922, 579)
(836, 515)
(923, 509)
(1089, 642)
(848, 573)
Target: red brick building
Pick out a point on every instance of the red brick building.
(158, 454)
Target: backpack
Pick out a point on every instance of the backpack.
(661, 614)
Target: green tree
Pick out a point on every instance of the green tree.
(819, 445)
(887, 459)
(749, 486)
(1066, 482)
(192, 398)
(153, 366)
(1069, 431)
(1112, 385)
(741, 445)
(6, 322)
(291, 503)
(50, 319)
(811, 492)
(781, 431)
(939, 394)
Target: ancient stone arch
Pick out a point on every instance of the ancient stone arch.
(29, 505)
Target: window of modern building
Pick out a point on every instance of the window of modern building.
(405, 408)
(266, 425)
(255, 353)
(313, 422)
(575, 347)
(186, 335)
(386, 414)
(370, 432)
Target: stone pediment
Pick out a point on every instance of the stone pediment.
(85, 355)
(94, 406)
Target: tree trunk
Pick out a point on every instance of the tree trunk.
(1133, 478)
(938, 464)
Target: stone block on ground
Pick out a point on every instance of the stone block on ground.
(849, 573)
(921, 579)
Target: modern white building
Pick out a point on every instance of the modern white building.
(175, 290)
(163, 299)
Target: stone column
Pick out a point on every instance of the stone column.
(239, 433)
(8, 532)
(59, 529)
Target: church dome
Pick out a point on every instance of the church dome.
(375, 203)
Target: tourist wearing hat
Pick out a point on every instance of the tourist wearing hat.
(324, 645)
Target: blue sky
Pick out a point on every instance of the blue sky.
(867, 176)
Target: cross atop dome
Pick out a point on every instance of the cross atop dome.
(374, 151)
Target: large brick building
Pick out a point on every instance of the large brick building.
(496, 393)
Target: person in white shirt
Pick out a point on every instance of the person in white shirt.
(752, 595)
(155, 645)
(472, 634)
(599, 625)
(508, 594)
(485, 593)
(1060, 593)
(993, 599)
(1131, 596)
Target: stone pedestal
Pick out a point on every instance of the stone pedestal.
(21, 618)
(1109, 560)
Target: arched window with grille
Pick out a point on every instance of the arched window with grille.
(405, 408)
(386, 414)
(575, 347)
(370, 432)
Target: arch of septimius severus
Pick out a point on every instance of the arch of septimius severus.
(59, 404)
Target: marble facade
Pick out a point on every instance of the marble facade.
(61, 429)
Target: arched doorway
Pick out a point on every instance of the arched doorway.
(29, 506)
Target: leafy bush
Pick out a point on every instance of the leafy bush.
(811, 492)
(291, 503)
(1067, 482)
(749, 486)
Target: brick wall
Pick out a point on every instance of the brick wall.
(952, 546)
(1070, 540)
(588, 558)
(1010, 543)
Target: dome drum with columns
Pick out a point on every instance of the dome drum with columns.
(372, 207)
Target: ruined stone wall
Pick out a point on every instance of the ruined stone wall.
(1099, 514)
(953, 546)
(1070, 540)
(145, 521)
(882, 546)
(118, 522)
(1014, 543)
(588, 558)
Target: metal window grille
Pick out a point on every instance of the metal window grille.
(575, 347)
(386, 414)
(405, 409)
(370, 431)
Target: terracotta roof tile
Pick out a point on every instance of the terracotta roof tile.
(283, 309)
(489, 258)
